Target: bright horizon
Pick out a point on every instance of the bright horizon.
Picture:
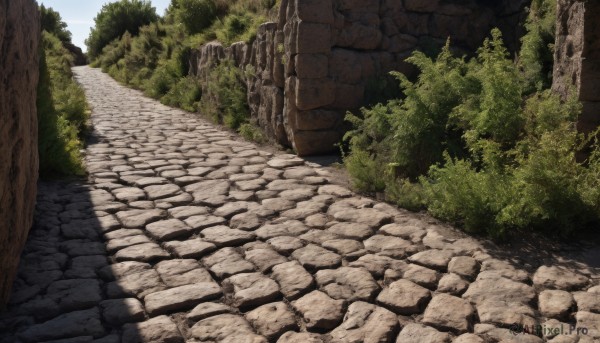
(79, 15)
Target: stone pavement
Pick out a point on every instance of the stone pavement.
(185, 233)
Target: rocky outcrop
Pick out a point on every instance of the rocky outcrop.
(316, 61)
(577, 57)
(19, 39)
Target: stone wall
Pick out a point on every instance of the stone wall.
(19, 39)
(314, 63)
(577, 57)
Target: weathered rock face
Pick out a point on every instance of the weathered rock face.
(19, 39)
(577, 57)
(315, 62)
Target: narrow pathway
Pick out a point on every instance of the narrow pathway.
(185, 233)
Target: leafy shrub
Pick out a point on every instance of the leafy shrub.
(537, 52)
(488, 154)
(252, 132)
(116, 18)
(62, 112)
(52, 22)
(195, 15)
(224, 97)
(184, 94)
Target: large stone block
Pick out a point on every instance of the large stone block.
(362, 5)
(19, 71)
(313, 38)
(315, 142)
(344, 66)
(421, 6)
(348, 96)
(314, 93)
(315, 11)
(312, 66)
(317, 120)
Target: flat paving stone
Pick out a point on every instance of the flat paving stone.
(464, 266)
(161, 191)
(557, 303)
(346, 283)
(76, 294)
(154, 330)
(118, 270)
(114, 245)
(191, 248)
(408, 232)
(452, 284)
(289, 228)
(265, 259)
(272, 320)
(352, 230)
(366, 322)
(182, 272)
(434, 258)
(129, 194)
(404, 297)
(319, 310)
(168, 229)
(285, 244)
(314, 257)
(251, 289)
(389, 246)
(293, 279)
(72, 324)
(180, 298)
(499, 288)
(135, 284)
(184, 212)
(417, 333)
(223, 236)
(200, 222)
(138, 218)
(208, 309)
(447, 312)
(300, 337)
(422, 276)
(120, 311)
(227, 262)
(145, 252)
(225, 328)
(559, 278)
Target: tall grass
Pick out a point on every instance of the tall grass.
(62, 112)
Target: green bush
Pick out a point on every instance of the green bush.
(537, 51)
(62, 112)
(116, 18)
(252, 132)
(487, 153)
(185, 94)
(195, 15)
(224, 98)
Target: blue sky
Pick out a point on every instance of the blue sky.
(79, 14)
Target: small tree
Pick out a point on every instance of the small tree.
(115, 19)
(53, 23)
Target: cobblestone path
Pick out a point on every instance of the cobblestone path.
(185, 233)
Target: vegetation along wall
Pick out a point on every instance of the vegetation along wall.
(320, 57)
(19, 40)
